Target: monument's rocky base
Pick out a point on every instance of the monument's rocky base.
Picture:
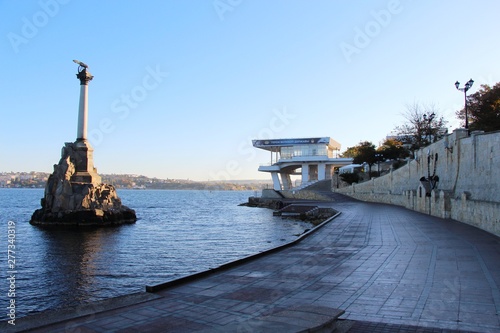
(75, 196)
(84, 218)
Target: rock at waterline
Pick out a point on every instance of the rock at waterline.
(75, 196)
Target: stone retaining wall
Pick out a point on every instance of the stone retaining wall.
(468, 190)
(306, 195)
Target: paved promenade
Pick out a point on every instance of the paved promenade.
(389, 268)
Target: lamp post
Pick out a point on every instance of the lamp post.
(337, 174)
(464, 89)
(428, 120)
(378, 156)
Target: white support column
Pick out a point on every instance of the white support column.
(321, 171)
(305, 173)
(286, 180)
(276, 181)
(328, 171)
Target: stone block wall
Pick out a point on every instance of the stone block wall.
(306, 195)
(468, 189)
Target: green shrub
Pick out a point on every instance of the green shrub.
(350, 177)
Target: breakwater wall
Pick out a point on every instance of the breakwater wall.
(457, 177)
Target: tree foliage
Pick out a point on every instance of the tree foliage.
(364, 152)
(423, 127)
(393, 149)
(350, 152)
(350, 177)
(483, 108)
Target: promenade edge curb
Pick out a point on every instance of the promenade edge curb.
(210, 271)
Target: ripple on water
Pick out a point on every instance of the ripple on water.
(178, 233)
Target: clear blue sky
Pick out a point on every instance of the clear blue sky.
(204, 77)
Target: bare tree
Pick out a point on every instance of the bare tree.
(423, 127)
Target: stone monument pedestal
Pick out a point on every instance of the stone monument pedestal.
(75, 196)
(85, 172)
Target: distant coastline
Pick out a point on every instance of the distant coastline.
(36, 179)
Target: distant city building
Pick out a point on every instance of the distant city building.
(313, 159)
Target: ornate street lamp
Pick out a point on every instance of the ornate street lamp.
(428, 120)
(464, 89)
(378, 158)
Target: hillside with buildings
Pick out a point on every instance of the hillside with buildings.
(35, 179)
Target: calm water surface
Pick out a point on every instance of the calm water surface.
(178, 233)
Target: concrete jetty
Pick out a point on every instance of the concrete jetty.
(385, 268)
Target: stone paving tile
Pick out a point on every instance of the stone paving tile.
(205, 315)
(120, 323)
(438, 314)
(218, 317)
(474, 308)
(409, 302)
(213, 292)
(148, 312)
(335, 297)
(307, 296)
(134, 316)
(77, 328)
(171, 306)
(442, 304)
(364, 299)
(175, 324)
(364, 327)
(399, 312)
(481, 319)
(363, 308)
(253, 308)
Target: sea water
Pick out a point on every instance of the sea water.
(178, 233)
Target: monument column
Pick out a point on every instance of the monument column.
(85, 77)
(84, 154)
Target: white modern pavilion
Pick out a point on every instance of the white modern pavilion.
(315, 159)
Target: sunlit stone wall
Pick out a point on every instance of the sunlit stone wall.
(468, 189)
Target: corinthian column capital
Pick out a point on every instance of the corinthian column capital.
(84, 76)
